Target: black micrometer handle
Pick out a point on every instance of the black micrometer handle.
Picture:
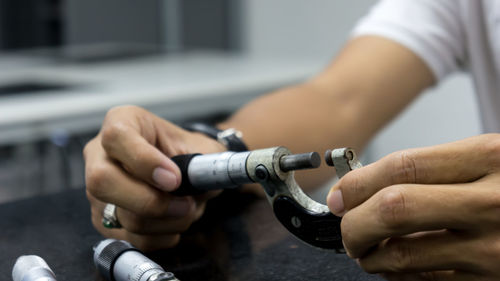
(185, 188)
(320, 230)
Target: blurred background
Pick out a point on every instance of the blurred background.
(64, 63)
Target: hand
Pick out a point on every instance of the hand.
(425, 214)
(127, 164)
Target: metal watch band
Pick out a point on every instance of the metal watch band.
(230, 138)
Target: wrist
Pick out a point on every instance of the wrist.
(230, 138)
(209, 145)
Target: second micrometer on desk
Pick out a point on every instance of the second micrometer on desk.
(273, 168)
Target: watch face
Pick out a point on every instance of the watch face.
(231, 139)
(229, 132)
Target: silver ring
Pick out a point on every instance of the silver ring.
(109, 218)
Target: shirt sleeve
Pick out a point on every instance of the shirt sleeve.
(432, 29)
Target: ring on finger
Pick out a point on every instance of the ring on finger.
(109, 218)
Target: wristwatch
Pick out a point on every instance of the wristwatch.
(230, 138)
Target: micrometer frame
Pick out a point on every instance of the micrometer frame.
(282, 183)
(307, 219)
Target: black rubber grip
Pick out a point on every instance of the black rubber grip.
(185, 188)
(107, 258)
(321, 230)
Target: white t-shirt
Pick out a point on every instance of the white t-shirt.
(449, 35)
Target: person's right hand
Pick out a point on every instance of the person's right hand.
(128, 164)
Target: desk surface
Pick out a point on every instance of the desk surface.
(242, 242)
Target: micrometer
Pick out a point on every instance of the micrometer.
(32, 268)
(273, 168)
(118, 260)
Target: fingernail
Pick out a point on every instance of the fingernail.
(165, 179)
(336, 202)
(179, 206)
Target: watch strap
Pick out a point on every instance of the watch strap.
(230, 138)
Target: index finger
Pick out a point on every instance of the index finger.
(458, 162)
(412, 208)
(125, 144)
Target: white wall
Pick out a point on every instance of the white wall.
(446, 113)
(317, 29)
(299, 27)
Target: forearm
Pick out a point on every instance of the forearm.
(371, 81)
(290, 118)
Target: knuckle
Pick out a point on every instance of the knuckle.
(141, 153)
(392, 207)
(348, 236)
(86, 149)
(121, 109)
(134, 224)
(367, 267)
(405, 167)
(152, 205)
(491, 249)
(491, 203)
(490, 199)
(96, 178)
(401, 256)
(490, 146)
(111, 133)
(185, 224)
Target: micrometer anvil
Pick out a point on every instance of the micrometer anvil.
(272, 168)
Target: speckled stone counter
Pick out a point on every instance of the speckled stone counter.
(237, 239)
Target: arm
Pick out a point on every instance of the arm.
(369, 83)
(128, 163)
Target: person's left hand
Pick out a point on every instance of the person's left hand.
(425, 214)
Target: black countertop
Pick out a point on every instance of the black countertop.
(237, 239)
